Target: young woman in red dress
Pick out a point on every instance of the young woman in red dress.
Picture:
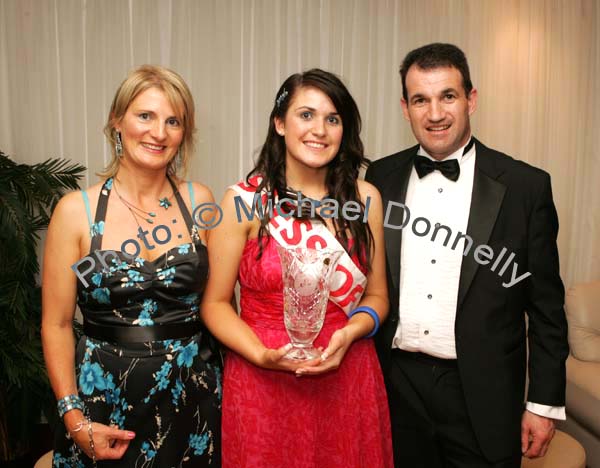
(331, 411)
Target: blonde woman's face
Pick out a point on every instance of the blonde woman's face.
(150, 130)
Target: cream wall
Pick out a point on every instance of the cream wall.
(534, 62)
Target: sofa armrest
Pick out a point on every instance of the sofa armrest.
(583, 393)
(583, 316)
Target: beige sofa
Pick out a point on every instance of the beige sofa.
(583, 369)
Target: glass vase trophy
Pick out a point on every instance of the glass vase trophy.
(305, 274)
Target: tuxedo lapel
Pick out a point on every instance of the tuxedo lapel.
(486, 201)
(394, 216)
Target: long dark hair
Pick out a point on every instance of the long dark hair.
(342, 173)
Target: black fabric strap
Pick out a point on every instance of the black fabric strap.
(184, 211)
(100, 214)
(186, 215)
(135, 334)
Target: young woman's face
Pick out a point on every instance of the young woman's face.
(312, 129)
(150, 130)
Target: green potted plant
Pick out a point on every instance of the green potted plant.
(28, 194)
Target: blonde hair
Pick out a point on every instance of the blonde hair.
(179, 96)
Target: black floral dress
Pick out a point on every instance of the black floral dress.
(167, 391)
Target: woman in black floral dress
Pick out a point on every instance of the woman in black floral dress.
(143, 385)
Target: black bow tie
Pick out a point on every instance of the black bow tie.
(450, 169)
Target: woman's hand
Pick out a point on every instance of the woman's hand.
(331, 357)
(274, 359)
(110, 443)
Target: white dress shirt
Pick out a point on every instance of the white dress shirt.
(430, 270)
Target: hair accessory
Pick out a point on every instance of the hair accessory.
(118, 145)
(281, 97)
(372, 313)
(68, 403)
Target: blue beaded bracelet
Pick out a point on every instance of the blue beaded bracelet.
(372, 313)
(68, 403)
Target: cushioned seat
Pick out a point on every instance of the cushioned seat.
(563, 452)
(583, 369)
(45, 461)
(583, 393)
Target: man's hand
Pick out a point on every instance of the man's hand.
(536, 434)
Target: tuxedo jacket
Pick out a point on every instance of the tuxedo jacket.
(511, 207)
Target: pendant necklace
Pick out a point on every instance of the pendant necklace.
(138, 212)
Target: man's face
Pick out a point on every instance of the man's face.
(438, 109)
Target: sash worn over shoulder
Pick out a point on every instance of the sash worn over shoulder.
(347, 284)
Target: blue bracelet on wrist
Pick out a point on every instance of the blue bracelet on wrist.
(372, 313)
(68, 403)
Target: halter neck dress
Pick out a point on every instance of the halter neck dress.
(145, 362)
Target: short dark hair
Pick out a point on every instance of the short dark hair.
(436, 55)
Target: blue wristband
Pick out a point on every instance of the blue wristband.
(372, 313)
(68, 403)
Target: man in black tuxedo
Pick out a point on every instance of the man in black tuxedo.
(453, 350)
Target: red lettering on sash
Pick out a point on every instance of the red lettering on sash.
(253, 181)
(273, 222)
(296, 235)
(344, 288)
(357, 291)
(314, 240)
(289, 232)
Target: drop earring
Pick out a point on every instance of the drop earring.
(118, 145)
(178, 160)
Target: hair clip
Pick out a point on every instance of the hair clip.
(281, 97)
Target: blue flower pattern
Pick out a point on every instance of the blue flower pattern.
(60, 461)
(102, 295)
(187, 355)
(149, 307)
(198, 442)
(177, 391)
(91, 377)
(97, 383)
(97, 228)
(147, 451)
(97, 278)
(133, 278)
(166, 275)
(192, 300)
